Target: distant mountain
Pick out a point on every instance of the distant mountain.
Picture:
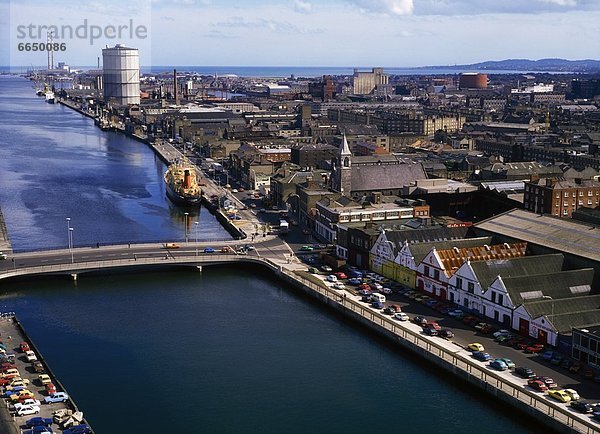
(550, 65)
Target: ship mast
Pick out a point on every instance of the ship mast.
(49, 50)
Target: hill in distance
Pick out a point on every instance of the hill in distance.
(550, 65)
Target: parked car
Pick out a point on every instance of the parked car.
(481, 356)
(548, 355)
(44, 379)
(28, 409)
(354, 281)
(475, 346)
(389, 310)
(50, 388)
(21, 395)
(537, 385)
(525, 372)
(24, 346)
(401, 316)
(209, 250)
(78, 429)
(556, 359)
(331, 278)
(582, 406)
(430, 331)
(534, 349)
(326, 268)
(498, 364)
(56, 397)
(456, 313)
(338, 285)
(340, 275)
(434, 325)
(386, 291)
(29, 401)
(38, 421)
(306, 249)
(501, 332)
(559, 395)
(446, 334)
(548, 382)
(377, 305)
(509, 363)
(575, 367)
(37, 366)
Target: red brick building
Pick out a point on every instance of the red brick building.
(561, 197)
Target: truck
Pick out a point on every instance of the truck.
(284, 227)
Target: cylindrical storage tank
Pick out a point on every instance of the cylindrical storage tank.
(121, 73)
(473, 80)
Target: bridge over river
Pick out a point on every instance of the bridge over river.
(271, 250)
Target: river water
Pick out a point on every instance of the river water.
(225, 351)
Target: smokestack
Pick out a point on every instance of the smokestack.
(187, 183)
(98, 62)
(175, 90)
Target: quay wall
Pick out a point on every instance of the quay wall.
(5, 245)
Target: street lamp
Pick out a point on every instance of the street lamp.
(69, 231)
(196, 224)
(186, 225)
(71, 245)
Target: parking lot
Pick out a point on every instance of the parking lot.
(14, 341)
(466, 334)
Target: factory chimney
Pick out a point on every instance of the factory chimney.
(175, 90)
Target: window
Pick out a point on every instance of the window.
(500, 299)
(459, 283)
(566, 212)
(426, 270)
(589, 201)
(436, 274)
(581, 193)
(566, 194)
(471, 287)
(590, 193)
(493, 296)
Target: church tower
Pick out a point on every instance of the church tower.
(344, 169)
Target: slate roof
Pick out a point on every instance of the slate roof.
(427, 234)
(566, 313)
(556, 285)
(488, 271)
(385, 177)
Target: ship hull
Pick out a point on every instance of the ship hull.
(178, 199)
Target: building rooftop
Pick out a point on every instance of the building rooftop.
(559, 234)
(420, 250)
(453, 258)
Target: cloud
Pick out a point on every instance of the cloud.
(274, 26)
(219, 35)
(385, 7)
(302, 6)
(480, 7)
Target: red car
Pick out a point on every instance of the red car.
(434, 325)
(523, 345)
(468, 320)
(24, 347)
(548, 382)
(537, 385)
(5, 366)
(534, 349)
(50, 389)
(340, 275)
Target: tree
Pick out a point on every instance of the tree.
(440, 136)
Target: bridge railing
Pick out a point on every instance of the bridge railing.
(454, 358)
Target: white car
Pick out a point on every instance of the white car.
(573, 394)
(501, 332)
(26, 410)
(332, 278)
(30, 355)
(339, 285)
(377, 286)
(386, 291)
(401, 316)
(28, 401)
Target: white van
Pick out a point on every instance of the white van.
(378, 297)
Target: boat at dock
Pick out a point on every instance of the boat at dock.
(50, 98)
(182, 184)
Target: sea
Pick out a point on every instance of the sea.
(228, 350)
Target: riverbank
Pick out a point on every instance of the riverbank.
(5, 245)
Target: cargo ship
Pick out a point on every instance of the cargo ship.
(181, 183)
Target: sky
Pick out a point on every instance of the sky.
(392, 33)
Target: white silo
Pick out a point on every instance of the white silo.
(121, 72)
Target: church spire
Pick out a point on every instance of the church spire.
(345, 149)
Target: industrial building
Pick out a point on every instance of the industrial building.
(365, 82)
(121, 75)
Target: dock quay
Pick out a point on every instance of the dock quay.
(5, 245)
(64, 414)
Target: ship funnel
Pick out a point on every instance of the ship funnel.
(187, 182)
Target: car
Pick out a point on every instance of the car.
(434, 325)
(430, 331)
(235, 190)
(456, 313)
(26, 410)
(209, 250)
(566, 363)
(559, 395)
(50, 388)
(469, 319)
(502, 338)
(377, 305)
(37, 366)
(537, 385)
(44, 379)
(475, 346)
(524, 372)
(11, 373)
(30, 356)
(226, 249)
(420, 320)
(534, 349)
(396, 308)
(509, 363)
(24, 347)
(375, 286)
(313, 270)
(547, 381)
(21, 395)
(340, 275)
(306, 249)
(326, 268)
(78, 429)
(171, 246)
(481, 356)
(389, 310)
(16, 383)
(498, 364)
(573, 394)
(501, 332)
(386, 291)
(446, 333)
(548, 355)
(365, 292)
(331, 278)
(556, 359)
(582, 406)
(401, 316)
(56, 397)
(38, 421)
(354, 281)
